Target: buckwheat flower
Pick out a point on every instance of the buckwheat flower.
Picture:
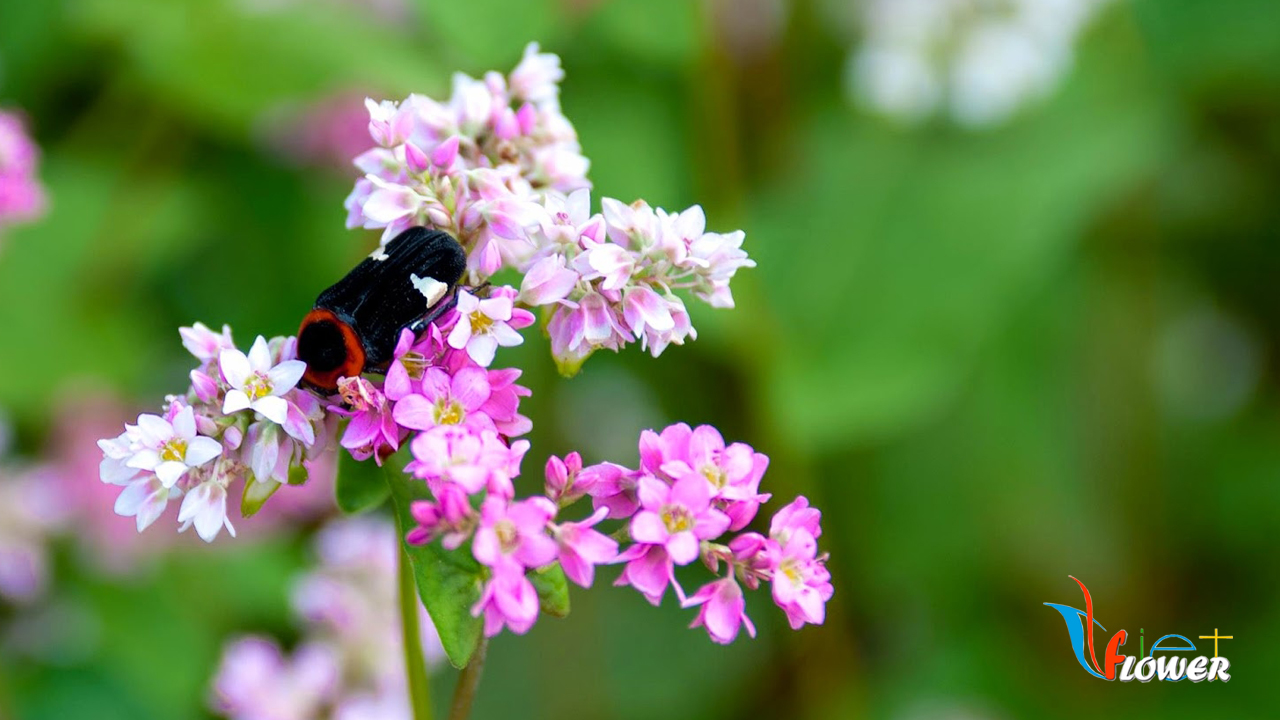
(447, 399)
(581, 548)
(410, 360)
(256, 681)
(143, 499)
(537, 78)
(562, 479)
(734, 472)
(548, 281)
(171, 449)
(722, 610)
(801, 583)
(256, 383)
(205, 344)
(205, 507)
(515, 533)
(507, 600)
(457, 454)
(797, 515)
(649, 570)
(676, 517)
(612, 487)
(485, 324)
(372, 431)
(450, 518)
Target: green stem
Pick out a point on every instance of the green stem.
(468, 681)
(415, 666)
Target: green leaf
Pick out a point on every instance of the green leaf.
(553, 589)
(448, 581)
(360, 486)
(256, 494)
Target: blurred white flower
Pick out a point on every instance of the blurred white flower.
(979, 61)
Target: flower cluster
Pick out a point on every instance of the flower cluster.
(22, 197)
(499, 168)
(243, 419)
(689, 491)
(981, 60)
(475, 166)
(609, 279)
(347, 665)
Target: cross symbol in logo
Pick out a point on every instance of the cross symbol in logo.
(1215, 637)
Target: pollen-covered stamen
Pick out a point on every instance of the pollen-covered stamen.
(508, 535)
(715, 475)
(449, 412)
(415, 364)
(174, 451)
(677, 518)
(480, 323)
(257, 386)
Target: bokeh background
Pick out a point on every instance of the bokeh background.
(995, 351)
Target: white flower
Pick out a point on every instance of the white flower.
(482, 326)
(537, 77)
(145, 499)
(256, 384)
(206, 508)
(170, 449)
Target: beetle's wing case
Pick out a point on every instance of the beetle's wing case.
(381, 295)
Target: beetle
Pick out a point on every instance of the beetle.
(357, 322)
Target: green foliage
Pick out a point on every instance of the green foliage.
(553, 589)
(448, 582)
(360, 486)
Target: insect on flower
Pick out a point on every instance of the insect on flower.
(355, 324)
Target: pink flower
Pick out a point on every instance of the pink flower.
(450, 517)
(22, 197)
(372, 430)
(515, 533)
(613, 487)
(676, 517)
(503, 404)
(582, 548)
(796, 516)
(255, 681)
(734, 472)
(257, 384)
(537, 77)
(507, 600)
(485, 324)
(801, 582)
(649, 570)
(205, 344)
(562, 475)
(447, 399)
(723, 610)
(410, 360)
(548, 281)
(456, 454)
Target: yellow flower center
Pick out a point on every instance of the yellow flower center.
(449, 412)
(791, 572)
(257, 386)
(480, 323)
(507, 535)
(175, 450)
(714, 475)
(676, 518)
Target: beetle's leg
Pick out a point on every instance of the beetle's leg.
(445, 305)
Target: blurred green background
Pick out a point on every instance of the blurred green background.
(993, 358)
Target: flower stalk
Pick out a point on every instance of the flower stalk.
(468, 681)
(415, 666)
